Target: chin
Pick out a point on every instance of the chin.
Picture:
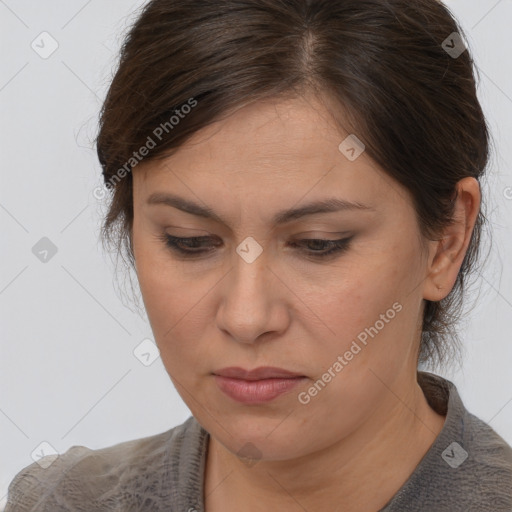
(257, 437)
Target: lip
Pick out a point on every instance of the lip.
(256, 386)
(260, 373)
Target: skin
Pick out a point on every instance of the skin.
(358, 440)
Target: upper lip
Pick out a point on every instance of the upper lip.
(263, 372)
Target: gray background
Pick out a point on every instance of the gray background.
(68, 372)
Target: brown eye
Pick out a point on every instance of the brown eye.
(322, 248)
(192, 246)
(196, 246)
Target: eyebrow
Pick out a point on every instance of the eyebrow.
(328, 205)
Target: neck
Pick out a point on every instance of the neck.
(362, 471)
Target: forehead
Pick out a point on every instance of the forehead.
(269, 152)
(287, 137)
(271, 129)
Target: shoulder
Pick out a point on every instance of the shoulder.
(84, 479)
(487, 468)
(469, 466)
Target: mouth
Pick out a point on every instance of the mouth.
(260, 385)
(260, 373)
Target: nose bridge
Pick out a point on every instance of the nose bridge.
(250, 272)
(246, 308)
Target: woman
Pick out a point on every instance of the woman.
(296, 184)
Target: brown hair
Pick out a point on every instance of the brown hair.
(385, 62)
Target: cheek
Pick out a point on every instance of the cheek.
(175, 306)
(363, 314)
(348, 301)
(364, 329)
(159, 283)
(168, 303)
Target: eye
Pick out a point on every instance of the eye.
(332, 246)
(188, 246)
(197, 246)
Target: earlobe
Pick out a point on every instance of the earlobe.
(448, 253)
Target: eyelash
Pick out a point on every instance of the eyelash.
(336, 246)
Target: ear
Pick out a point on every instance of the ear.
(446, 255)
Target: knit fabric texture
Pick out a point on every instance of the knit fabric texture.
(468, 468)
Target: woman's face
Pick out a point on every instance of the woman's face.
(261, 295)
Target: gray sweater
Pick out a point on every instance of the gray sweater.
(467, 469)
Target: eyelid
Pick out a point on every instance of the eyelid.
(313, 235)
(334, 248)
(187, 229)
(318, 234)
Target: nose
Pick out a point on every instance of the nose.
(252, 301)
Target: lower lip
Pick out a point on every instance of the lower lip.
(256, 391)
